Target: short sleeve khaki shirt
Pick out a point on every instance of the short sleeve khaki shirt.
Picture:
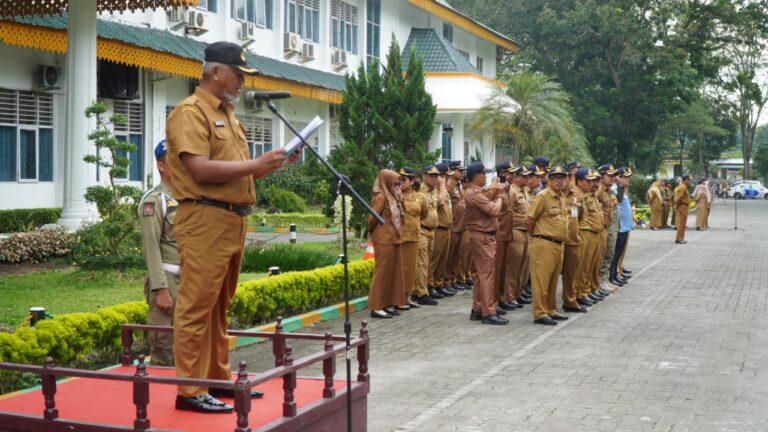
(549, 213)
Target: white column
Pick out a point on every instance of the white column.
(457, 147)
(436, 141)
(80, 86)
(156, 101)
(324, 148)
(489, 151)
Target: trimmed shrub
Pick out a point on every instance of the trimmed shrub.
(34, 246)
(288, 294)
(638, 187)
(92, 240)
(283, 220)
(289, 257)
(281, 200)
(299, 178)
(20, 220)
(112, 262)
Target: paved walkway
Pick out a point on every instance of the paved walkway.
(684, 347)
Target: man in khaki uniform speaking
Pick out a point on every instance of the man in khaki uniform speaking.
(548, 228)
(213, 180)
(161, 256)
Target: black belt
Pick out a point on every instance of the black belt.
(486, 232)
(441, 228)
(241, 210)
(548, 238)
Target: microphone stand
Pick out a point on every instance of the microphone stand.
(344, 188)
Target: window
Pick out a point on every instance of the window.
(344, 26)
(448, 32)
(373, 30)
(133, 132)
(303, 17)
(258, 12)
(209, 5)
(26, 136)
(480, 64)
(445, 154)
(258, 133)
(463, 53)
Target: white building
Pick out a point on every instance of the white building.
(149, 60)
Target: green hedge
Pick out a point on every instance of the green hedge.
(283, 220)
(20, 220)
(112, 262)
(70, 337)
(289, 257)
(282, 200)
(288, 294)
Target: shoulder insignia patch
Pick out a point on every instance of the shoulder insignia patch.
(190, 109)
(148, 209)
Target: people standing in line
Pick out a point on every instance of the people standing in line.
(426, 295)
(518, 255)
(574, 206)
(626, 222)
(700, 196)
(456, 266)
(681, 201)
(548, 228)
(442, 242)
(655, 198)
(414, 209)
(157, 209)
(611, 221)
(387, 293)
(590, 227)
(482, 209)
(213, 180)
(503, 275)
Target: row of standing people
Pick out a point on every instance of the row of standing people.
(661, 199)
(508, 240)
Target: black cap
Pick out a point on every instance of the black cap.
(542, 161)
(571, 165)
(456, 165)
(686, 177)
(231, 54)
(582, 173)
(407, 172)
(430, 169)
(502, 167)
(620, 171)
(443, 168)
(535, 170)
(516, 169)
(475, 168)
(606, 169)
(558, 170)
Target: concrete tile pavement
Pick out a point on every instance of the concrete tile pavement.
(683, 347)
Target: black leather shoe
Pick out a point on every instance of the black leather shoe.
(626, 276)
(681, 241)
(406, 307)
(426, 300)
(449, 289)
(545, 321)
(500, 311)
(595, 298)
(494, 320)
(629, 272)
(584, 301)
(384, 315)
(391, 310)
(558, 317)
(616, 282)
(470, 282)
(459, 286)
(434, 294)
(475, 315)
(444, 292)
(413, 304)
(515, 304)
(523, 300)
(576, 309)
(507, 306)
(229, 393)
(203, 403)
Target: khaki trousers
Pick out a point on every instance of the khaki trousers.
(483, 254)
(504, 272)
(453, 271)
(210, 249)
(438, 259)
(546, 262)
(465, 265)
(680, 222)
(422, 264)
(387, 286)
(664, 214)
(410, 252)
(571, 264)
(588, 249)
(161, 343)
(518, 257)
(656, 213)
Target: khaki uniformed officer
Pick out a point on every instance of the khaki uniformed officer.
(590, 227)
(161, 255)
(519, 204)
(480, 220)
(681, 200)
(457, 268)
(414, 209)
(574, 204)
(213, 180)
(438, 260)
(425, 294)
(548, 228)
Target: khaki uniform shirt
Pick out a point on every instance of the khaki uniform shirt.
(609, 204)
(573, 206)
(681, 195)
(481, 212)
(519, 205)
(504, 231)
(456, 194)
(415, 208)
(203, 125)
(444, 212)
(156, 212)
(593, 214)
(385, 233)
(430, 197)
(549, 213)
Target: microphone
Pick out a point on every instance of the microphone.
(266, 96)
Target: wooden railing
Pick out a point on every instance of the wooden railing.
(285, 366)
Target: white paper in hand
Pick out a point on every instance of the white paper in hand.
(295, 143)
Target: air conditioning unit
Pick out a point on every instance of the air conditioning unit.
(339, 59)
(292, 43)
(195, 23)
(247, 34)
(48, 77)
(308, 52)
(177, 14)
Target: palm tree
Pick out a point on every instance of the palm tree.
(533, 115)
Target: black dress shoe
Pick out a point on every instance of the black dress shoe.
(616, 282)
(558, 317)
(523, 300)
(413, 304)
(426, 300)
(494, 320)
(584, 301)
(515, 304)
(229, 393)
(576, 309)
(475, 315)
(203, 403)
(459, 286)
(384, 315)
(681, 241)
(470, 282)
(506, 306)
(406, 307)
(626, 271)
(445, 292)
(500, 311)
(391, 310)
(545, 321)
(595, 298)
(434, 294)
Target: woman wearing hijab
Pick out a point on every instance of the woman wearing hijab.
(700, 196)
(415, 208)
(387, 286)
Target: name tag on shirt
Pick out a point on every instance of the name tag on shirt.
(219, 123)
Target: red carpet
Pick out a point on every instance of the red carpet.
(106, 401)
